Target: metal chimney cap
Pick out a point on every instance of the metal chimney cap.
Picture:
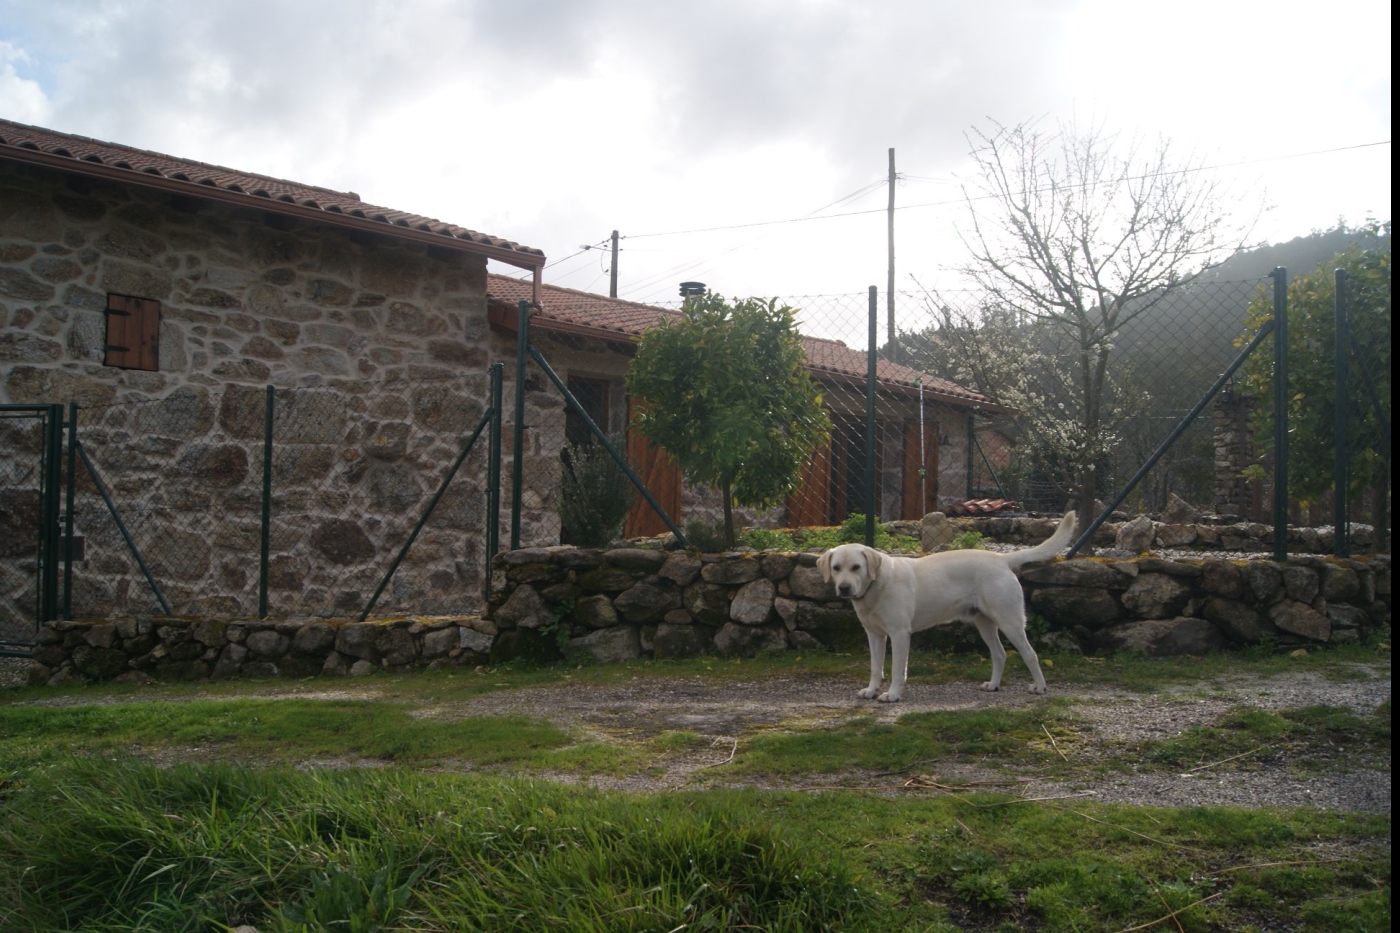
(692, 288)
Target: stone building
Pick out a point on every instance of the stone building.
(922, 421)
(163, 296)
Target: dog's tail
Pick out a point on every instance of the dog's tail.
(1018, 559)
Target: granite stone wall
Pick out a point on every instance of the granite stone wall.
(377, 350)
(626, 603)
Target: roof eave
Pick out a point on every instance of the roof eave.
(521, 260)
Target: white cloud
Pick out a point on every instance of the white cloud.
(552, 122)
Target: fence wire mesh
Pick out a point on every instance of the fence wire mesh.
(1084, 395)
(353, 469)
(21, 481)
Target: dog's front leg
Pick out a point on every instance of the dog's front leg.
(899, 667)
(877, 665)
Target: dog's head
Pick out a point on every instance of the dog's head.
(851, 569)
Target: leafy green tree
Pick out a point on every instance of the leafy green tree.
(1312, 383)
(727, 395)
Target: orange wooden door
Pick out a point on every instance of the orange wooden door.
(920, 498)
(661, 477)
(811, 504)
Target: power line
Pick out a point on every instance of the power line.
(907, 207)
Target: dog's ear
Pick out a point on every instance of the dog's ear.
(873, 559)
(824, 566)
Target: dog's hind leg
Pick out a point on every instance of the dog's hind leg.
(877, 665)
(1016, 634)
(987, 628)
(1007, 612)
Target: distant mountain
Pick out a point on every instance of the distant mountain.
(1300, 255)
(1208, 315)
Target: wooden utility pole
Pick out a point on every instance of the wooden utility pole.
(612, 280)
(889, 286)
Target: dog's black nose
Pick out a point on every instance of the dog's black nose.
(844, 589)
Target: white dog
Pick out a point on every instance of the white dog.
(897, 596)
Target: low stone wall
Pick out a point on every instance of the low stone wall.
(628, 603)
(146, 649)
(1144, 533)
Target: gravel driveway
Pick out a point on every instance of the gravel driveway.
(1109, 724)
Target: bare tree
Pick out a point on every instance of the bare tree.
(1085, 232)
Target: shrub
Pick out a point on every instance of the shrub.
(596, 495)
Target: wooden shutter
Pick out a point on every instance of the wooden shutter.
(660, 476)
(916, 505)
(133, 333)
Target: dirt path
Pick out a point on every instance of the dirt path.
(1110, 723)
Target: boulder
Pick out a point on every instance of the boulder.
(682, 641)
(1136, 536)
(1180, 512)
(753, 603)
(524, 609)
(936, 531)
(619, 643)
(1162, 637)
(1156, 596)
(1237, 621)
(646, 603)
(594, 612)
(748, 640)
(1300, 619)
(1069, 606)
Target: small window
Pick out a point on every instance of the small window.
(133, 333)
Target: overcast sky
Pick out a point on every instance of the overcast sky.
(554, 122)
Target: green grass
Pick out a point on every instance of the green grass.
(1308, 737)
(106, 846)
(271, 730)
(1014, 736)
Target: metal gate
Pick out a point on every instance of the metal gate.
(31, 445)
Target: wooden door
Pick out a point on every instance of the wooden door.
(920, 498)
(661, 477)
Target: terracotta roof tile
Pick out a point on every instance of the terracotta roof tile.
(17, 137)
(563, 308)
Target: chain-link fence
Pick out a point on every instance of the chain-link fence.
(182, 510)
(1085, 399)
(29, 481)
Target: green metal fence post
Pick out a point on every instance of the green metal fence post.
(266, 544)
(51, 484)
(1341, 433)
(522, 337)
(70, 476)
(1280, 276)
(870, 419)
(493, 475)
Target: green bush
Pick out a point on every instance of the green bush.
(596, 496)
(705, 536)
(967, 541)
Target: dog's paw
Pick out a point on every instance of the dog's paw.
(991, 687)
(886, 698)
(1037, 689)
(869, 693)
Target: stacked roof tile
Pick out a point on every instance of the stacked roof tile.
(35, 144)
(564, 309)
